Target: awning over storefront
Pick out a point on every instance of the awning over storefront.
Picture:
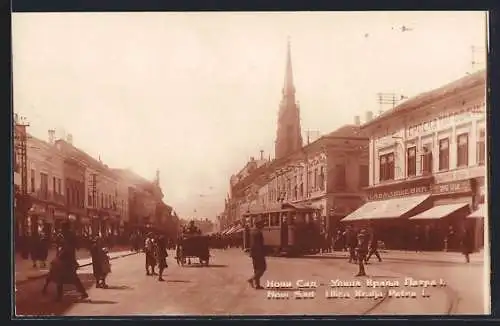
(385, 209)
(479, 213)
(237, 229)
(438, 212)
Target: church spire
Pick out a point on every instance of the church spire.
(288, 87)
(288, 134)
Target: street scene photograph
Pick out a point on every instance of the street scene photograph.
(250, 164)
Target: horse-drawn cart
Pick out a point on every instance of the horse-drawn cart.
(193, 246)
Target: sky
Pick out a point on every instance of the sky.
(197, 94)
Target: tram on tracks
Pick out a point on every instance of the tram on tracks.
(289, 230)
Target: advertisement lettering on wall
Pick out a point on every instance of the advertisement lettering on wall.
(380, 195)
(447, 119)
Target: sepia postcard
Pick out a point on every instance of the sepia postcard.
(250, 163)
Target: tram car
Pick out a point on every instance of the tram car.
(288, 230)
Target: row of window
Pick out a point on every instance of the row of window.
(75, 191)
(102, 200)
(44, 184)
(316, 181)
(387, 161)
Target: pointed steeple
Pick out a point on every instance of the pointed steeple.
(288, 87)
(288, 134)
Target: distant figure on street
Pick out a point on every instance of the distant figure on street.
(192, 229)
(257, 252)
(373, 246)
(149, 251)
(467, 243)
(449, 241)
(351, 243)
(161, 256)
(100, 263)
(362, 251)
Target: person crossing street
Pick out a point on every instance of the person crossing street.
(257, 252)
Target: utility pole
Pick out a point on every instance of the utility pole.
(391, 99)
(23, 205)
(93, 192)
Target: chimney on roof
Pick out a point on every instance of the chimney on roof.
(261, 155)
(357, 120)
(252, 158)
(369, 116)
(52, 136)
(69, 139)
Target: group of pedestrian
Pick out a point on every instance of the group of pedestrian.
(155, 250)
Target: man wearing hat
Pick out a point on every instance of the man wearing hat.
(149, 250)
(257, 252)
(362, 251)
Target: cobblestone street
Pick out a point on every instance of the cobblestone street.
(222, 289)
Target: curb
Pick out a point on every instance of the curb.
(37, 277)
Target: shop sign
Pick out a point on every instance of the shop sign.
(462, 174)
(379, 195)
(447, 119)
(452, 187)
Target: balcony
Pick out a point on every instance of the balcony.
(49, 196)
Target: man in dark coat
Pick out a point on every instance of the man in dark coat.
(161, 256)
(362, 251)
(373, 247)
(257, 252)
(467, 242)
(64, 267)
(351, 242)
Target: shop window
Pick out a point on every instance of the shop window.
(386, 167)
(481, 147)
(321, 178)
(364, 176)
(463, 150)
(44, 185)
(444, 154)
(315, 182)
(412, 161)
(275, 219)
(32, 181)
(426, 159)
(340, 183)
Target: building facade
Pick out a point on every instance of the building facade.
(46, 185)
(327, 175)
(427, 163)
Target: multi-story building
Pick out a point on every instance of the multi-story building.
(327, 174)
(427, 163)
(143, 198)
(74, 182)
(46, 184)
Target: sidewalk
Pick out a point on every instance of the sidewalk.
(425, 256)
(24, 270)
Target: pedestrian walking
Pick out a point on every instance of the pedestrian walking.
(257, 252)
(63, 268)
(101, 266)
(373, 248)
(467, 243)
(149, 251)
(351, 243)
(362, 251)
(161, 256)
